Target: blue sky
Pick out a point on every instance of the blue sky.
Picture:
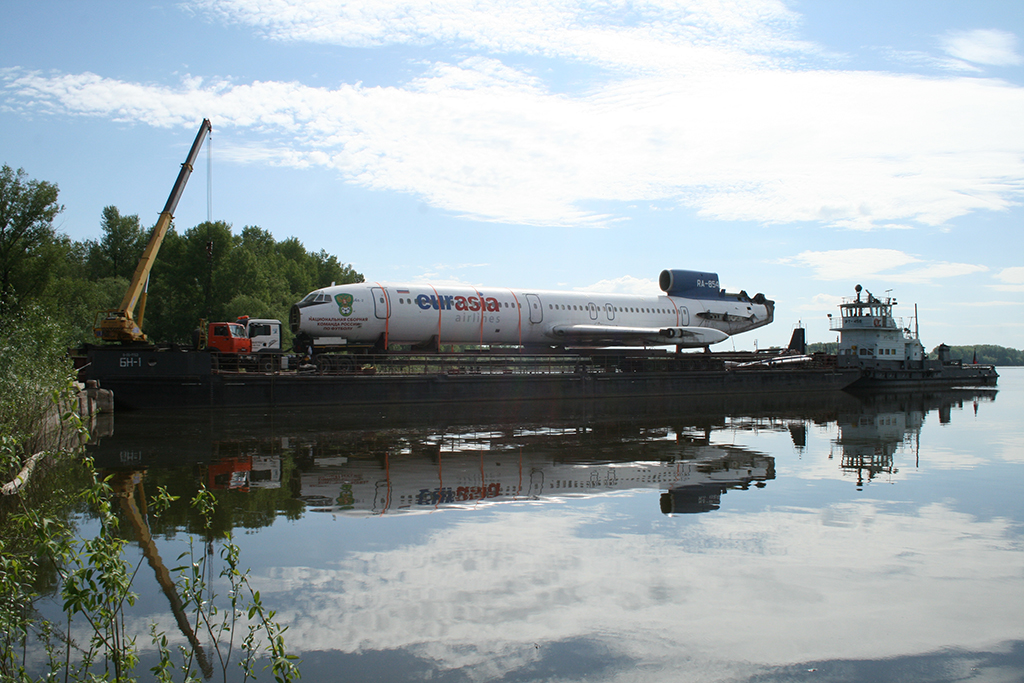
(795, 148)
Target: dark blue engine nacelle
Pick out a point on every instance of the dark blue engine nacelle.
(690, 284)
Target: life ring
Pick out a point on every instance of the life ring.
(878, 322)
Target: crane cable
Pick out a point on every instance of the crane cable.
(209, 178)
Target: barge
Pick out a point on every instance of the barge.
(144, 377)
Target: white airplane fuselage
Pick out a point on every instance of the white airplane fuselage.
(429, 315)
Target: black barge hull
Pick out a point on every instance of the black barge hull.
(146, 378)
(932, 374)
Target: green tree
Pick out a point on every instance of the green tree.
(247, 274)
(27, 210)
(987, 354)
(118, 251)
(184, 284)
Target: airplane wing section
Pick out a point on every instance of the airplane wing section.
(615, 335)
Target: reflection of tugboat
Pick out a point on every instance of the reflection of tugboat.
(890, 422)
(890, 356)
(869, 442)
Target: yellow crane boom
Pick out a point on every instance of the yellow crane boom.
(120, 324)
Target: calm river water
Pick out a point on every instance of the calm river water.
(817, 538)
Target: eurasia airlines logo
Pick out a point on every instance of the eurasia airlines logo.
(447, 302)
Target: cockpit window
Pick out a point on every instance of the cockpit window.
(317, 297)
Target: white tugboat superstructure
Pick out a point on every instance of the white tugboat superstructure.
(890, 355)
(868, 330)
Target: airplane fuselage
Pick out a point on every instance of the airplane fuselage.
(432, 315)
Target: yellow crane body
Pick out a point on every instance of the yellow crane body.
(121, 324)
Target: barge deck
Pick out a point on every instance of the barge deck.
(148, 378)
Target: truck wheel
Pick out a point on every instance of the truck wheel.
(267, 364)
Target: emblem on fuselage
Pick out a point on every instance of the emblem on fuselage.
(344, 304)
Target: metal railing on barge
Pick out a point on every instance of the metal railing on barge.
(598, 362)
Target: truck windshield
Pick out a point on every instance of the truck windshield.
(237, 331)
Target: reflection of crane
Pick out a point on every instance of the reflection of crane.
(124, 485)
(122, 324)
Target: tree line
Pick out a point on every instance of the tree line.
(987, 354)
(207, 271)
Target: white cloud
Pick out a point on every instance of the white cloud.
(917, 59)
(983, 46)
(935, 271)
(1013, 279)
(821, 302)
(1012, 276)
(626, 284)
(644, 36)
(847, 264)
(706, 106)
(480, 601)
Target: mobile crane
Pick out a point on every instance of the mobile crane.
(123, 324)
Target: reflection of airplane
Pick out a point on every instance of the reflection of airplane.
(468, 478)
(704, 494)
(692, 313)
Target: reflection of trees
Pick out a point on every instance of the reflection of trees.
(251, 508)
(53, 493)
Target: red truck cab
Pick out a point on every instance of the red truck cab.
(228, 338)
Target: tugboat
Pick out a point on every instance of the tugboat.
(889, 356)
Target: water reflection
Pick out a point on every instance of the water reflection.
(886, 423)
(557, 542)
(468, 470)
(381, 463)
